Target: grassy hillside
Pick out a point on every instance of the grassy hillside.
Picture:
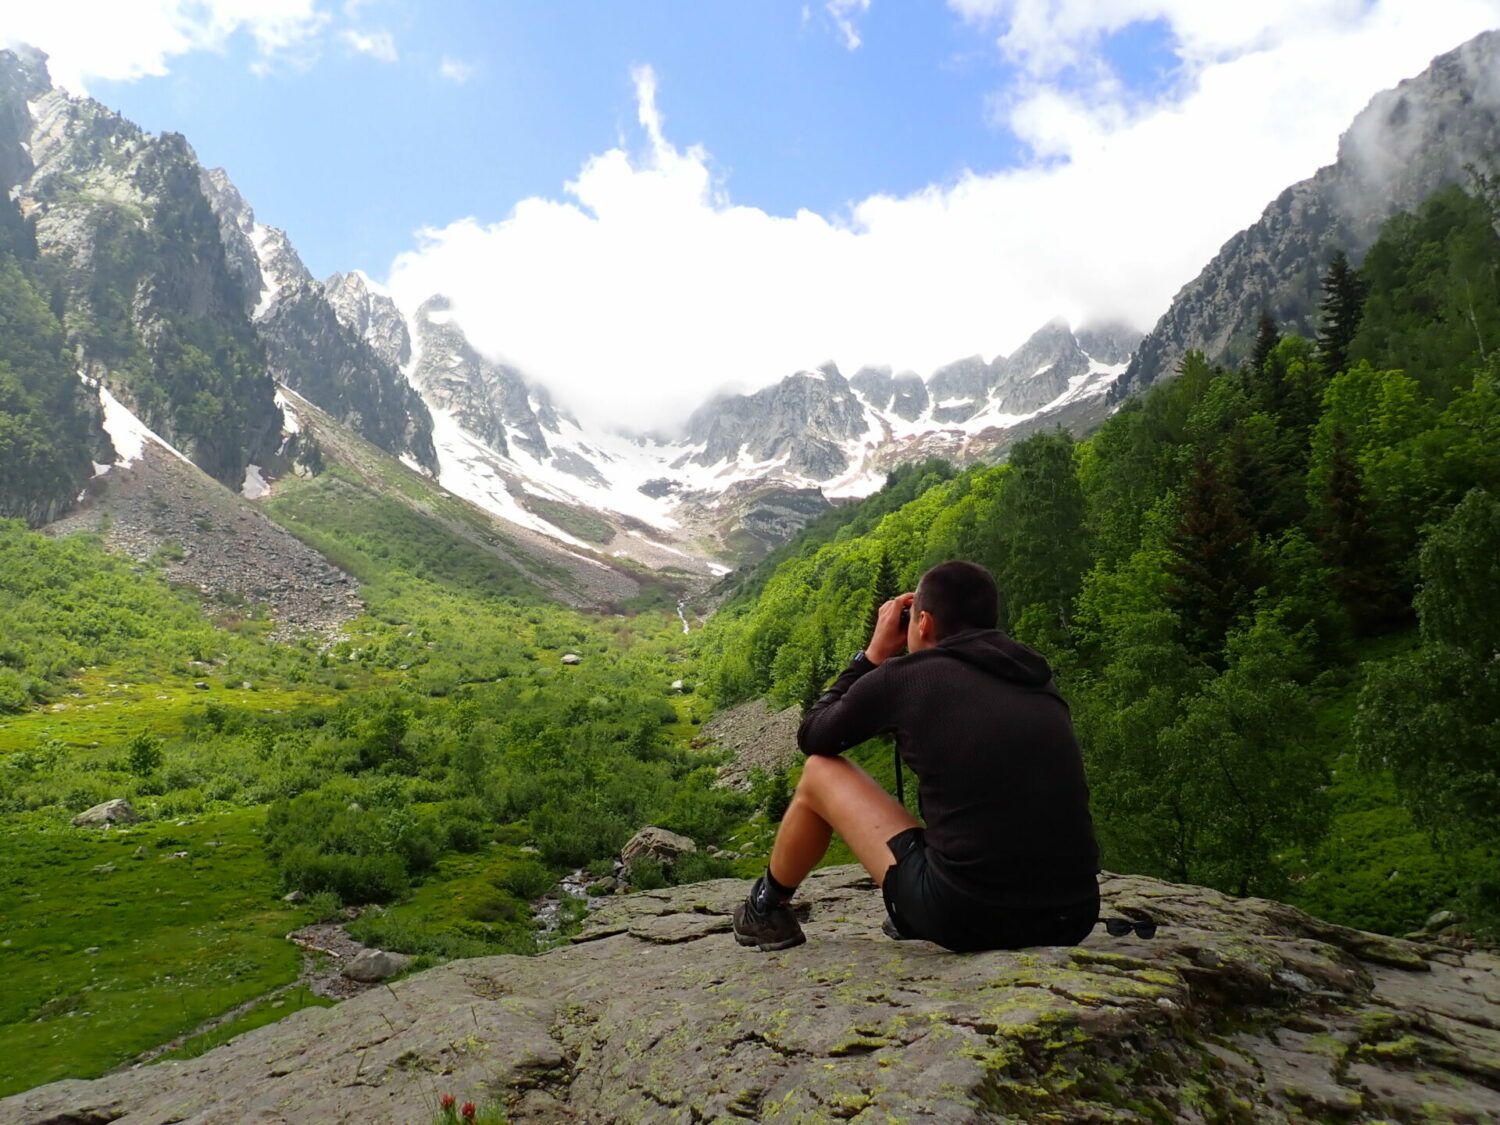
(405, 764)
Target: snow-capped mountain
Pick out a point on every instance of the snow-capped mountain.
(336, 342)
(182, 246)
(767, 461)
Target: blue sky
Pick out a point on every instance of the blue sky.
(643, 203)
(352, 154)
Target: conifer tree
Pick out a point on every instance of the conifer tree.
(818, 668)
(1213, 565)
(1343, 303)
(1042, 508)
(887, 586)
(1266, 339)
(1352, 545)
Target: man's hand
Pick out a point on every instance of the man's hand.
(889, 638)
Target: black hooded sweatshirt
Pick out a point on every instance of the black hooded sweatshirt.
(1000, 776)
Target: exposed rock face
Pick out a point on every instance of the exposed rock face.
(117, 811)
(371, 314)
(1238, 1010)
(800, 423)
(656, 844)
(958, 389)
(753, 517)
(1404, 145)
(490, 400)
(342, 348)
(154, 308)
(237, 231)
(329, 363)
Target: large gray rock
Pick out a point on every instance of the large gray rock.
(656, 843)
(117, 811)
(1239, 1010)
(371, 965)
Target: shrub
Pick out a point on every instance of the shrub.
(525, 878)
(647, 875)
(324, 905)
(696, 867)
(353, 878)
(465, 835)
(144, 755)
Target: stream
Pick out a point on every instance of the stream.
(682, 616)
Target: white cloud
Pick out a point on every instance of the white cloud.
(644, 287)
(845, 15)
(378, 44)
(456, 70)
(1047, 35)
(111, 40)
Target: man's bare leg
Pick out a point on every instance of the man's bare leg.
(835, 795)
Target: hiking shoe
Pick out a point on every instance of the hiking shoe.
(778, 928)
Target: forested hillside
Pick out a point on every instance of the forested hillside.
(49, 424)
(1269, 593)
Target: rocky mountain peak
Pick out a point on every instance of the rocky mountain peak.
(491, 400)
(799, 423)
(1406, 144)
(372, 313)
(1109, 342)
(236, 232)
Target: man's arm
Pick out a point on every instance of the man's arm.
(857, 706)
(843, 717)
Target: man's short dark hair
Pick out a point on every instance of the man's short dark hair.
(959, 595)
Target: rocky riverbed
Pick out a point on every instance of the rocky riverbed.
(1238, 1010)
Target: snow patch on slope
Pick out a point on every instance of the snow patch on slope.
(255, 485)
(128, 433)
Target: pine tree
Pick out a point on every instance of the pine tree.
(819, 669)
(887, 586)
(1266, 339)
(1042, 509)
(1354, 548)
(1343, 303)
(1213, 564)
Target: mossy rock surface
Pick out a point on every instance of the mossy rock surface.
(1239, 1010)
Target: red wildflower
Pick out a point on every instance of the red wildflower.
(446, 1101)
(468, 1111)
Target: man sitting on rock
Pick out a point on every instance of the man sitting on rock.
(1007, 858)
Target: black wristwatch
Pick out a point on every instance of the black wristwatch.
(861, 661)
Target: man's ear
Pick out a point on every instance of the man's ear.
(926, 626)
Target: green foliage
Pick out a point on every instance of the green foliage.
(1433, 293)
(1042, 510)
(575, 521)
(45, 428)
(68, 603)
(1433, 717)
(1342, 307)
(144, 754)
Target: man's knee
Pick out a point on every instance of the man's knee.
(820, 769)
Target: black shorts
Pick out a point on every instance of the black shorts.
(922, 906)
